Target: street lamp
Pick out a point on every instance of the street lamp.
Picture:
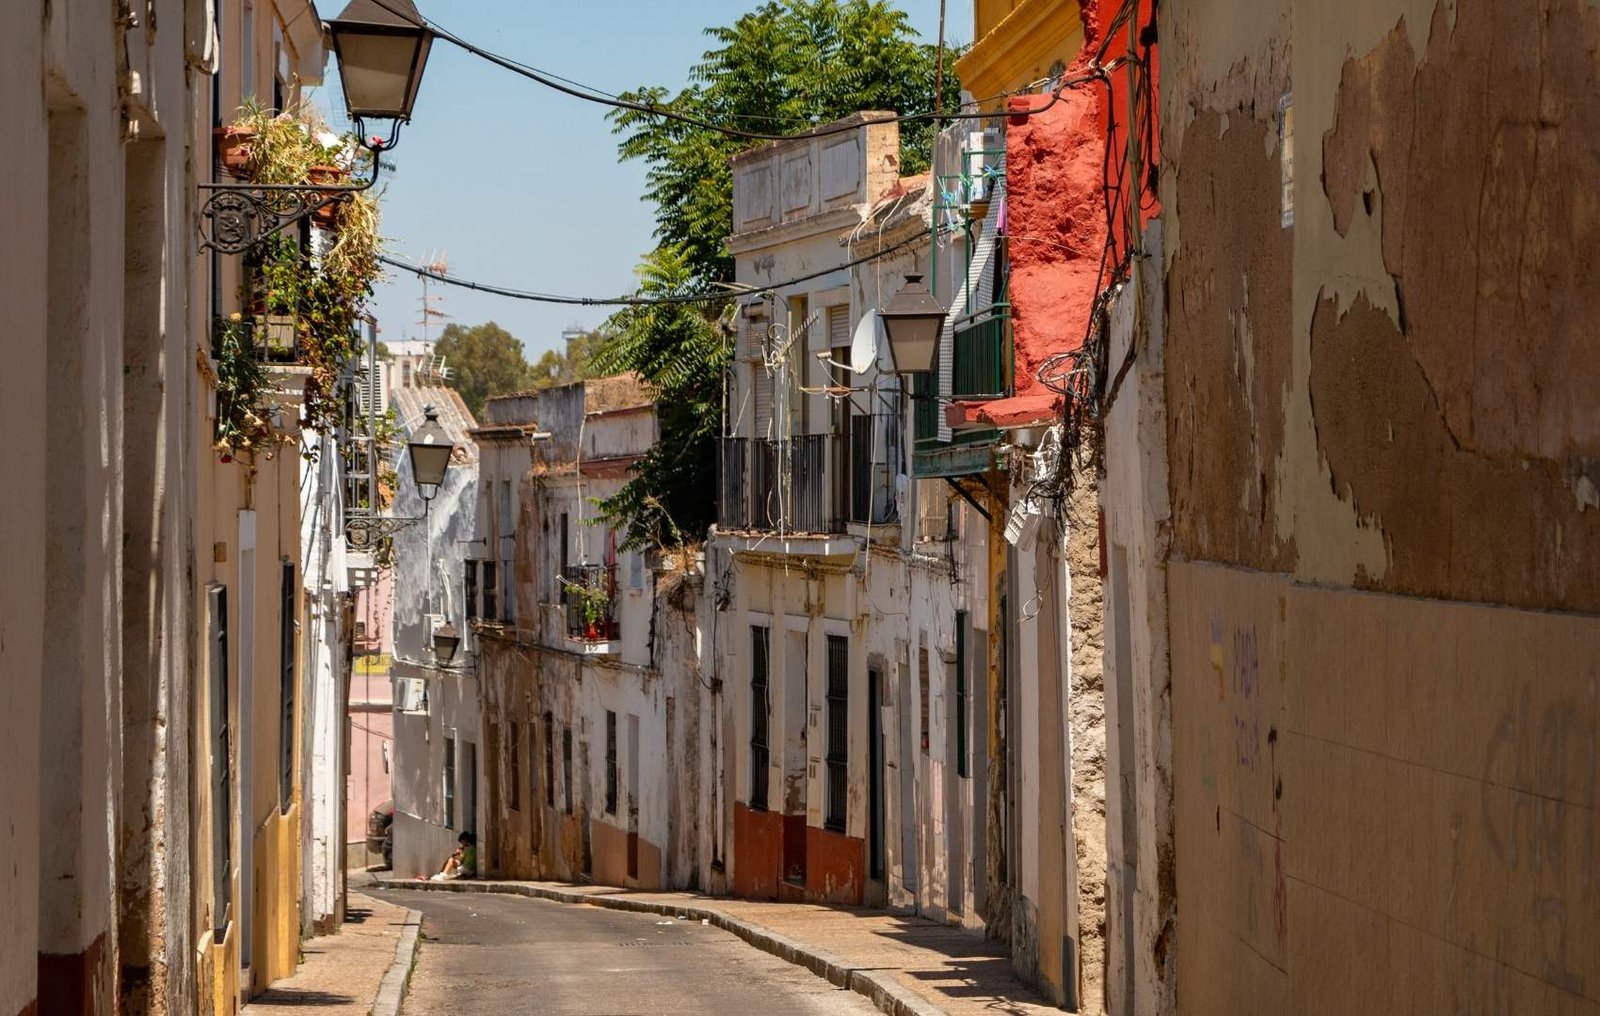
(430, 448)
(382, 49)
(446, 640)
(913, 321)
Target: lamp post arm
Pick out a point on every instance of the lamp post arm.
(236, 216)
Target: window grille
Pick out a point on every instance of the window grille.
(760, 644)
(449, 783)
(287, 687)
(838, 732)
(221, 784)
(611, 762)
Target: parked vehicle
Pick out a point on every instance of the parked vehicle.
(380, 832)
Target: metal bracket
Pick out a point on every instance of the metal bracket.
(366, 531)
(236, 216)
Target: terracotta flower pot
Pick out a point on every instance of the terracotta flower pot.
(327, 216)
(233, 148)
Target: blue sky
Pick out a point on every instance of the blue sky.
(520, 185)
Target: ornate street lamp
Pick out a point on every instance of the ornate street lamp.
(430, 447)
(913, 321)
(381, 47)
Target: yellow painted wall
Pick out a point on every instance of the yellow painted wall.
(1018, 42)
(276, 942)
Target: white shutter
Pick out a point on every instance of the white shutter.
(973, 294)
(761, 386)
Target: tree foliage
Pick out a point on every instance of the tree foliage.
(484, 360)
(680, 351)
(785, 67)
(574, 363)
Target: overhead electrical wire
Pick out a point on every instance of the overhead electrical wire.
(646, 301)
(590, 94)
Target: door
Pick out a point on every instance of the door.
(633, 795)
(874, 774)
(909, 750)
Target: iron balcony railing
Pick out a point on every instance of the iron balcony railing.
(810, 483)
(590, 594)
(982, 355)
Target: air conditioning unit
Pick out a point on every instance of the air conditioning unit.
(983, 153)
(410, 695)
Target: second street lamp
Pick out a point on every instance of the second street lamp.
(913, 321)
(430, 447)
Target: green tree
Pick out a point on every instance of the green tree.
(574, 363)
(483, 360)
(679, 350)
(785, 67)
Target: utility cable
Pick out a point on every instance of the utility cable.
(595, 95)
(645, 301)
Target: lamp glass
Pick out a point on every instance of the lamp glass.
(446, 641)
(913, 321)
(381, 58)
(430, 447)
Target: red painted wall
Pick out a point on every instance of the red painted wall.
(835, 867)
(757, 851)
(1057, 161)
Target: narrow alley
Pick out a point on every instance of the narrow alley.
(484, 953)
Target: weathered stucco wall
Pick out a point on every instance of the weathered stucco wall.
(1380, 376)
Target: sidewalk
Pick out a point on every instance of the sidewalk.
(360, 969)
(908, 966)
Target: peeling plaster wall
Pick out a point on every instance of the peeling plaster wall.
(1384, 383)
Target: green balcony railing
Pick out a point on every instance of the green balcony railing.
(925, 407)
(982, 356)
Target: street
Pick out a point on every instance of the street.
(491, 954)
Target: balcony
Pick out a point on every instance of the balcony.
(589, 592)
(982, 355)
(811, 485)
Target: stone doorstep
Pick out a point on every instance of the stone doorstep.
(877, 986)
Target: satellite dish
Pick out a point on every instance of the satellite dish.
(866, 343)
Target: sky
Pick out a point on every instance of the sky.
(520, 186)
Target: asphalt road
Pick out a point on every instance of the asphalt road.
(486, 954)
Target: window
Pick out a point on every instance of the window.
(611, 762)
(566, 537)
(487, 571)
(471, 579)
(549, 760)
(838, 732)
(286, 690)
(449, 783)
(566, 765)
(636, 569)
(220, 745)
(514, 763)
(963, 763)
(533, 765)
(922, 687)
(760, 647)
(505, 548)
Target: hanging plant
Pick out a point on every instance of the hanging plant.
(323, 299)
(242, 425)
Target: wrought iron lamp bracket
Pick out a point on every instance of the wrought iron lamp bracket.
(234, 217)
(367, 531)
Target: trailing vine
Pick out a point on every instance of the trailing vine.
(242, 426)
(321, 297)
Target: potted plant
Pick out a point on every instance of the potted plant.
(589, 602)
(235, 144)
(327, 175)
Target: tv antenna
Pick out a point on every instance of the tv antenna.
(439, 264)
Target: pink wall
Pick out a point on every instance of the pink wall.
(371, 737)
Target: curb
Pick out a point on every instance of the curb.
(889, 996)
(392, 989)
